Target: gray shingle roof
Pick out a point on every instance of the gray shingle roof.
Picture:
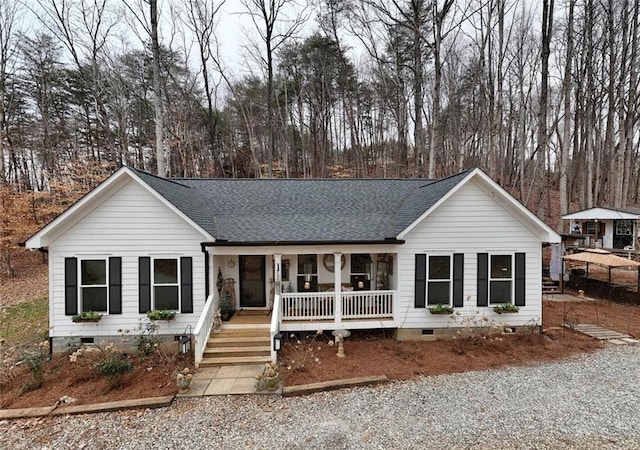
(302, 210)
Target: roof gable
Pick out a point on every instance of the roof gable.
(502, 197)
(92, 200)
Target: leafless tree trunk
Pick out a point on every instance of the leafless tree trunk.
(202, 17)
(265, 14)
(9, 11)
(64, 18)
(439, 15)
(563, 165)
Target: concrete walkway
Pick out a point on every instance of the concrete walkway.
(226, 380)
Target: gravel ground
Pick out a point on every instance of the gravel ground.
(590, 401)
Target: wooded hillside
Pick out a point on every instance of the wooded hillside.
(541, 95)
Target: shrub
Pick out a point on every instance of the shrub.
(34, 364)
(147, 341)
(473, 329)
(300, 351)
(113, 365)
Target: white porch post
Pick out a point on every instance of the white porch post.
(277, 276)
(337, 279)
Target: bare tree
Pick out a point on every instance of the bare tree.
(563, 165)
(201, 19)
(150, 26)
(265, 15)
(84, 27)
(9, 12)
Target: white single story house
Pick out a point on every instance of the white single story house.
(604, 227)
(139, 242)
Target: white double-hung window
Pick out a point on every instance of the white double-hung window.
(94, 286)
(166, 284)
(439, 275)
(501, 279)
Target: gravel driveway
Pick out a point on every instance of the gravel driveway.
(590, 401)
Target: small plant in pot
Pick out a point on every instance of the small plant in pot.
(441, 309)
(161, 314)
(506, 308)
(183, 380)
(87, 316)
(269, 378)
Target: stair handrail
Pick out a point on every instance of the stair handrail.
(276, 316)
(204, 327)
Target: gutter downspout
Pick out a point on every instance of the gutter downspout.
(206, 270)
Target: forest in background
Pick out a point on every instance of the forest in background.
(543, 96)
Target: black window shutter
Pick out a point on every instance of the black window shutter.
(458, 279)
(186, 284)
(70, 286)
(115, 285)
(520, 280)
(420, 282)
(144, 284)
(483, 279)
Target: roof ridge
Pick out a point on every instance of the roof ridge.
(169, 180)
(438, 180)
(431, 180)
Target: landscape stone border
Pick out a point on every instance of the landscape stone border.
(161, 402)
(149, 402)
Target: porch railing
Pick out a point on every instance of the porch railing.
(367, 304)
(302, 306)
(308, 306)
(204, 326)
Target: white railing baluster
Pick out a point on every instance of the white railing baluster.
(204, 326)
(302, 306)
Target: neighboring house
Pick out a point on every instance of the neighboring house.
(604, 227)
(139, 242)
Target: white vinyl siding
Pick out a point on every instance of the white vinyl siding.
(470, 221)
(130, 223)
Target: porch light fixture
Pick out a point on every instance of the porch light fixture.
(277, 342)
(307, 284)
(184, 341)
(360, 284)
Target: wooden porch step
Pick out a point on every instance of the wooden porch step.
(236, 332)
(235, 341)
(257, 350)
(234, 360)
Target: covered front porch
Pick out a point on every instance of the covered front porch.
(300, 292)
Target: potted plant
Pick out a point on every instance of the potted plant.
(161, 314)
(226, 306)
(269, 378)
(183, 380)
(441, 309)
(506, 308)
(87, 316)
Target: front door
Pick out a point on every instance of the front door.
(252, 286)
